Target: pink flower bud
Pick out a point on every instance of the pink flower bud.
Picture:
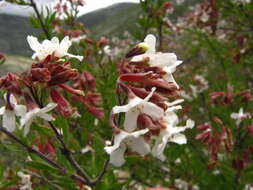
(63, 106)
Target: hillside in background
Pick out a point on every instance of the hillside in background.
(97, 17)
(14, 29)
(13, 32)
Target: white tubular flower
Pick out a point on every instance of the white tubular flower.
(122, 140)
(49, 47)
(136, 106)
(170, 134)
(240, 116)
(10, 112)
(167, 61)
(28, 118)
(25, 181)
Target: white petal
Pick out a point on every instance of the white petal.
(48, 108)
(151, 41)
(178, 138)
(29, 117)
(157, 150)
(174, 102)
(33, 43)
(140, 146)
(55, 40)
(20, 110)
(9, 120)
(171, 118)
(139, 57)
(190, 124)
(117, 157)
(234, 116)
(46, 117)
(132, 103)
(80, 58)
(121, 137)
(153, 110)
(174, 108)
(27, 127)
(165, 60)
(2, 110)
(130, 123)
(169, 78)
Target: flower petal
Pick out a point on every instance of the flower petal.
(20, 110)
(48, 108)
(132, 103)
(9, 120)
(2, 110)
(122, 136)
(152, 110)
(151, 41)
(117, 157)
(80, 58)
(29, 116)
(33, 43)
(140, 146)
(130, 123)
(46, 117)
(178, 138)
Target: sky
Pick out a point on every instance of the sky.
(90, 5)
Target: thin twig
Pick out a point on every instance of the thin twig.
(45, 158)
(44, 28)
(101, 175)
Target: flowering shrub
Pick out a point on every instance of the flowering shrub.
(107, 114)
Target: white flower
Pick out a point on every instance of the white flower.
(240, 116)
(49, 47)
(25, 181)
(28, 118)
(9, 115)
(179, 2)
(122, 140)
(78, 39)
(204, 17)
(136, 106)
(107, 50)
(167, 61)
(170, 134)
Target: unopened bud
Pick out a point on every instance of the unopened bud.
(141, 48)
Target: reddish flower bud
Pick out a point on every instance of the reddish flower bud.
(88, 80)
(204, 127)
(71, 90)
(102, 42)
(93, 98)
(245, 94)
(40, 75)
(63, 106)
(10, 83)
(62, 77)
(135, 77)
(98, 112)
(167, 5)
(89, 41)
(2, 56)
(137, 50)
(144, 121)
(204, 137)
(250, 129)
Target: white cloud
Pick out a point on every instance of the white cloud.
(90, 5)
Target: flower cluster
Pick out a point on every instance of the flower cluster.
(51, 75)
(150, 120)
